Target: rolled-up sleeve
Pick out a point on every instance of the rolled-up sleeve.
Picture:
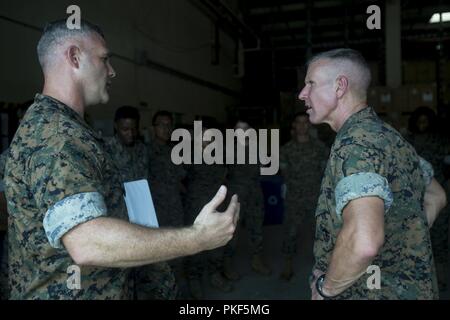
(427, 170)
(359, 185)
(70, 212)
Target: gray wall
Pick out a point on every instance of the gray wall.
(172, 32)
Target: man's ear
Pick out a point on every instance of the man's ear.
(73, 56)
(341, 86)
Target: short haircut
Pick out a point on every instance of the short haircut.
(162, 113)
(127, 112)
(55, 33)
(344, 57)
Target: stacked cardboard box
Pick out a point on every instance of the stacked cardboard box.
(403, 99)
(422, 95)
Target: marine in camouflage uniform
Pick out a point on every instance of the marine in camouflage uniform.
(4, 291)
(131, 160)
(165, 184)
(302, 165)
(434, 149)
(202, 181)
(244, 180)
(57, 161)
(369, 158)
(155, 281)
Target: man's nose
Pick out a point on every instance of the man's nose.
(303, 94)
(112, 72)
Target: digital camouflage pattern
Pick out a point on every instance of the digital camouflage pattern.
(302, 166)
(244, 180)
(55, 155)
(132, 161)
(203, 181)
(367, 144)
(434, 148)
(155, 281)
(165, 185)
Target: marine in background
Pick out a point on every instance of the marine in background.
(155, 281)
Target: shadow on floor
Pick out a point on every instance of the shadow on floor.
(252, 286)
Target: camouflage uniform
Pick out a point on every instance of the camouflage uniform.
(302, 166)
(434, 149)
(370, 158)
(244, 180)
(4, 294)
(203, 182)
(57, 177)
(155, 281)
(165, 178)
(131, 161)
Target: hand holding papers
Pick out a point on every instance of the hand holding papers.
(140, 204)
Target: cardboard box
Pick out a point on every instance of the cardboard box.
(422, 95)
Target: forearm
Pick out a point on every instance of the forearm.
(357, 244)
(347, 264)
(108, 242)
(434, 201)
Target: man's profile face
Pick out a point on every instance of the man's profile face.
(301, 125)
(319, 93)
(127, 131)
(163, 128)
(95, 70)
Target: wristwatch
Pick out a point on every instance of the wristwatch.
(319, 284)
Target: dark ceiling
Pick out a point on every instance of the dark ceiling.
(291, 27)
(279, 36)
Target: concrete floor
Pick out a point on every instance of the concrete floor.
(252, 286)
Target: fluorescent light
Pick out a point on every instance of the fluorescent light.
(435, 18)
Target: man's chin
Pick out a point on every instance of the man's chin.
(312, 118)
(101, 100)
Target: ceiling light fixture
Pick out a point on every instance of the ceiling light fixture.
(436, 17)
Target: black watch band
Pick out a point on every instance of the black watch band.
(319, 283)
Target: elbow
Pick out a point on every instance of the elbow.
(368, 248)
(80, 256)
(79, 251)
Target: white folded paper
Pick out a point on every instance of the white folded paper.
(140, 203)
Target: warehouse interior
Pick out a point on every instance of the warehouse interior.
(225, 56)
(215, 60)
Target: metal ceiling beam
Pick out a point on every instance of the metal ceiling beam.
(223, 14)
